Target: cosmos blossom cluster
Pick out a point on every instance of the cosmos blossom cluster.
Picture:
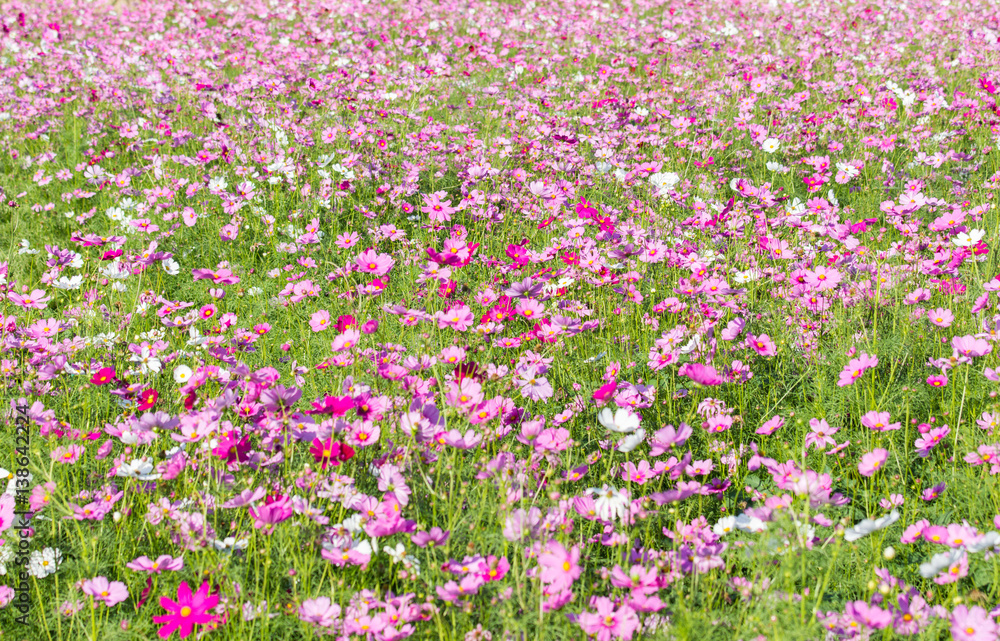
(389, 320)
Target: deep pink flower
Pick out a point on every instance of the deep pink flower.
(103, 376)
(187, 611)
(762, 344)
(700, 373)
(937, 381)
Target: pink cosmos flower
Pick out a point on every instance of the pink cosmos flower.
(870, 616)
(319, 320)
(67, 454)
(560, 567)
(187, 611)
(321, 611)
(957, 570)
(873, 461)
(822, 278)
(878, 421)
(372, 262)
(700, 373)
(275, 510)
(437, 209)
(35, 300)
(164, 562)
(970, 346)
(972, 624)
(762, 344)
(608, 623)
(821, 434)
(7, 504)
(941, 317)
(103, 376)
(928, 441)
(459, 318)
(346, 341)
(348, 240)
(855, 368)
(915, 532)
(771, 426)
(110, 592)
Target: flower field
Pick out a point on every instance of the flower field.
(499, 321)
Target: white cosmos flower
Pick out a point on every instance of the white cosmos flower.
(609, 502)
(963, 239)
(664, 180)
(848, 169)
(41, 564)
(148, 362)
(770, 145)
(69, 282)
(989, 540)
(171, 266)
(725, 525)
(867, 526)
(746, 277)
(623, 421)
(796, 208)
(777, 166)
(6, 556)
(632, 441)
(230, 542)
(940, 562)
(182, 373)
(397, 553)
(141, 469)
(749, 523)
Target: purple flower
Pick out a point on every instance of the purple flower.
(666, 438)
(932, 493)
(433, 538)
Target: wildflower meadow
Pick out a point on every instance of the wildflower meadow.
(497, 320)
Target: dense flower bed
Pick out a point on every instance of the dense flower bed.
(499, 320)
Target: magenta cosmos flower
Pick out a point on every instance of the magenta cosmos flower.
(701, 373)
(188, 611)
